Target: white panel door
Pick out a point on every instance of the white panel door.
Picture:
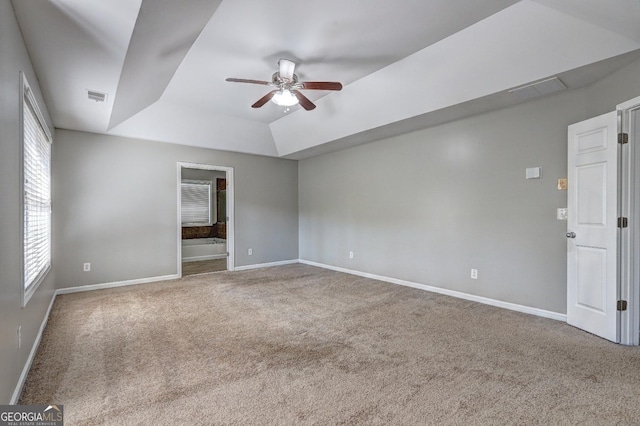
(592, 287)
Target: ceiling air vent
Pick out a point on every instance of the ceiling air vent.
(540, 88)
(96, 96)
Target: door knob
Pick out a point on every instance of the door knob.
(571, 234)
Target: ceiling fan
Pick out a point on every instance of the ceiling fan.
(287, 87)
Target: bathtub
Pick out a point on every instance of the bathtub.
(203, 249)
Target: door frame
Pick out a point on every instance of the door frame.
(230, 210)
(629, 238)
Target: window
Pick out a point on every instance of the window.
(36, 189)
(196, 203)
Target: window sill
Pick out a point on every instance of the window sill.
(31, 290)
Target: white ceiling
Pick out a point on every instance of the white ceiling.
(405, 64)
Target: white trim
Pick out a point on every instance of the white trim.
(630, 104)
(114, 284)
(230, 210)
(231, 233)
(458, 294)
(27, 366)
(628, 261)
(267, 265)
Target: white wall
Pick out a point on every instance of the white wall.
(430, 205)
(13, 59)
(116, 207)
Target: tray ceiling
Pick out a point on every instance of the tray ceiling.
(404, 64)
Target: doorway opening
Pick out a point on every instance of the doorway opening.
(205, 237)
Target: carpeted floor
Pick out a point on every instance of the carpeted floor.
(301, 345)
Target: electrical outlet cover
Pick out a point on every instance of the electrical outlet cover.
(562, 214)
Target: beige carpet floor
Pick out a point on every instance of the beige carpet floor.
(302, 345)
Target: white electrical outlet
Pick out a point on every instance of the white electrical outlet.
(350, 255)
(19, 336)
(474, 274)
(562, 214)
(86, 267)
(250, 251)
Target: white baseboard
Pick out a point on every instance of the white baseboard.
(32, 355)
(91, 287)
(460, 295)
(266, 265)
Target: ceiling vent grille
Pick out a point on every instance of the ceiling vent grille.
(96, 96)
(539, 88)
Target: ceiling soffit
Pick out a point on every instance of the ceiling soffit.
(163, 64)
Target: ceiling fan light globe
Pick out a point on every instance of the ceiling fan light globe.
(284, 98)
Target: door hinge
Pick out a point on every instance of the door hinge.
(623, 222)
(227, 253)
(622, 305)
(623, 138)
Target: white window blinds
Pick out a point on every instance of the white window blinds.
(36, 192)
(196, 203)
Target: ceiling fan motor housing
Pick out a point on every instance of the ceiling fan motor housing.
(280, 82)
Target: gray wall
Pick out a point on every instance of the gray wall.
(621, 86)
(430, 205)
(116, 207)
(13, 59)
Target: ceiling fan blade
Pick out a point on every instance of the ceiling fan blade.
(263, 100)
(304, 101)
(286, 69)
(244, 80)
(321, 85)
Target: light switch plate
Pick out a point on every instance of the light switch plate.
(533, 172)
